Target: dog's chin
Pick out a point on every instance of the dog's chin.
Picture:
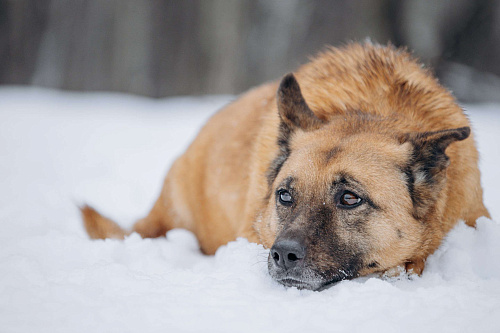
(306, 277)
(301, 284)
(315, 285)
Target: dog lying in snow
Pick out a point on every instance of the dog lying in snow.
(359, 162)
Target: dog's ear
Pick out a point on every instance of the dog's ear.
(427, 164)
(293, 109)
(429, 147)
(294, 114)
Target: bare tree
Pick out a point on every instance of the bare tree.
(160, 48)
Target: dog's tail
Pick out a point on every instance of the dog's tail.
(100, 227)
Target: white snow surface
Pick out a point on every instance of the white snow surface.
(112, 151)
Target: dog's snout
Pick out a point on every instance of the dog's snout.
(287, 253)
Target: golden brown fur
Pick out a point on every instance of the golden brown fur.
(369, 106)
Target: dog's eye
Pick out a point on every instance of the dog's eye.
(350, 200)
(285, 197)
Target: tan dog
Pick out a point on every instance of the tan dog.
(345, 176)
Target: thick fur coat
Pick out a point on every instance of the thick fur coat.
(357, 163)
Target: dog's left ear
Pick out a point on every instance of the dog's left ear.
(427, 165)
(430, 147)
(293, 109)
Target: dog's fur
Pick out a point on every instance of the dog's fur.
(367, 120)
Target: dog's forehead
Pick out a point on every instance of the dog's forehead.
(365, 148)
(368, 157)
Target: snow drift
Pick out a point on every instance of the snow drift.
(58, 150)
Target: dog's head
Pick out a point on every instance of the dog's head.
(347, 196)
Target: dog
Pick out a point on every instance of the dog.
(360, 162)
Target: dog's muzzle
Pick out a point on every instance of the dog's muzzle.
(289, 265)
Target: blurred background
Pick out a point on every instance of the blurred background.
(189, 47)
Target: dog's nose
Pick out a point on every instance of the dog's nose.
(287, 253)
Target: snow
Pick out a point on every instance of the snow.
(58, 150)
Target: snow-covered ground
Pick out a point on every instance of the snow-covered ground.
(58, 150)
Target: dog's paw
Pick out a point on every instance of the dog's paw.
(415, 266)
(406, 271)
(394, 272)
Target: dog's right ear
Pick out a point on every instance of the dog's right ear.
(294, 114)
(293, 109)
